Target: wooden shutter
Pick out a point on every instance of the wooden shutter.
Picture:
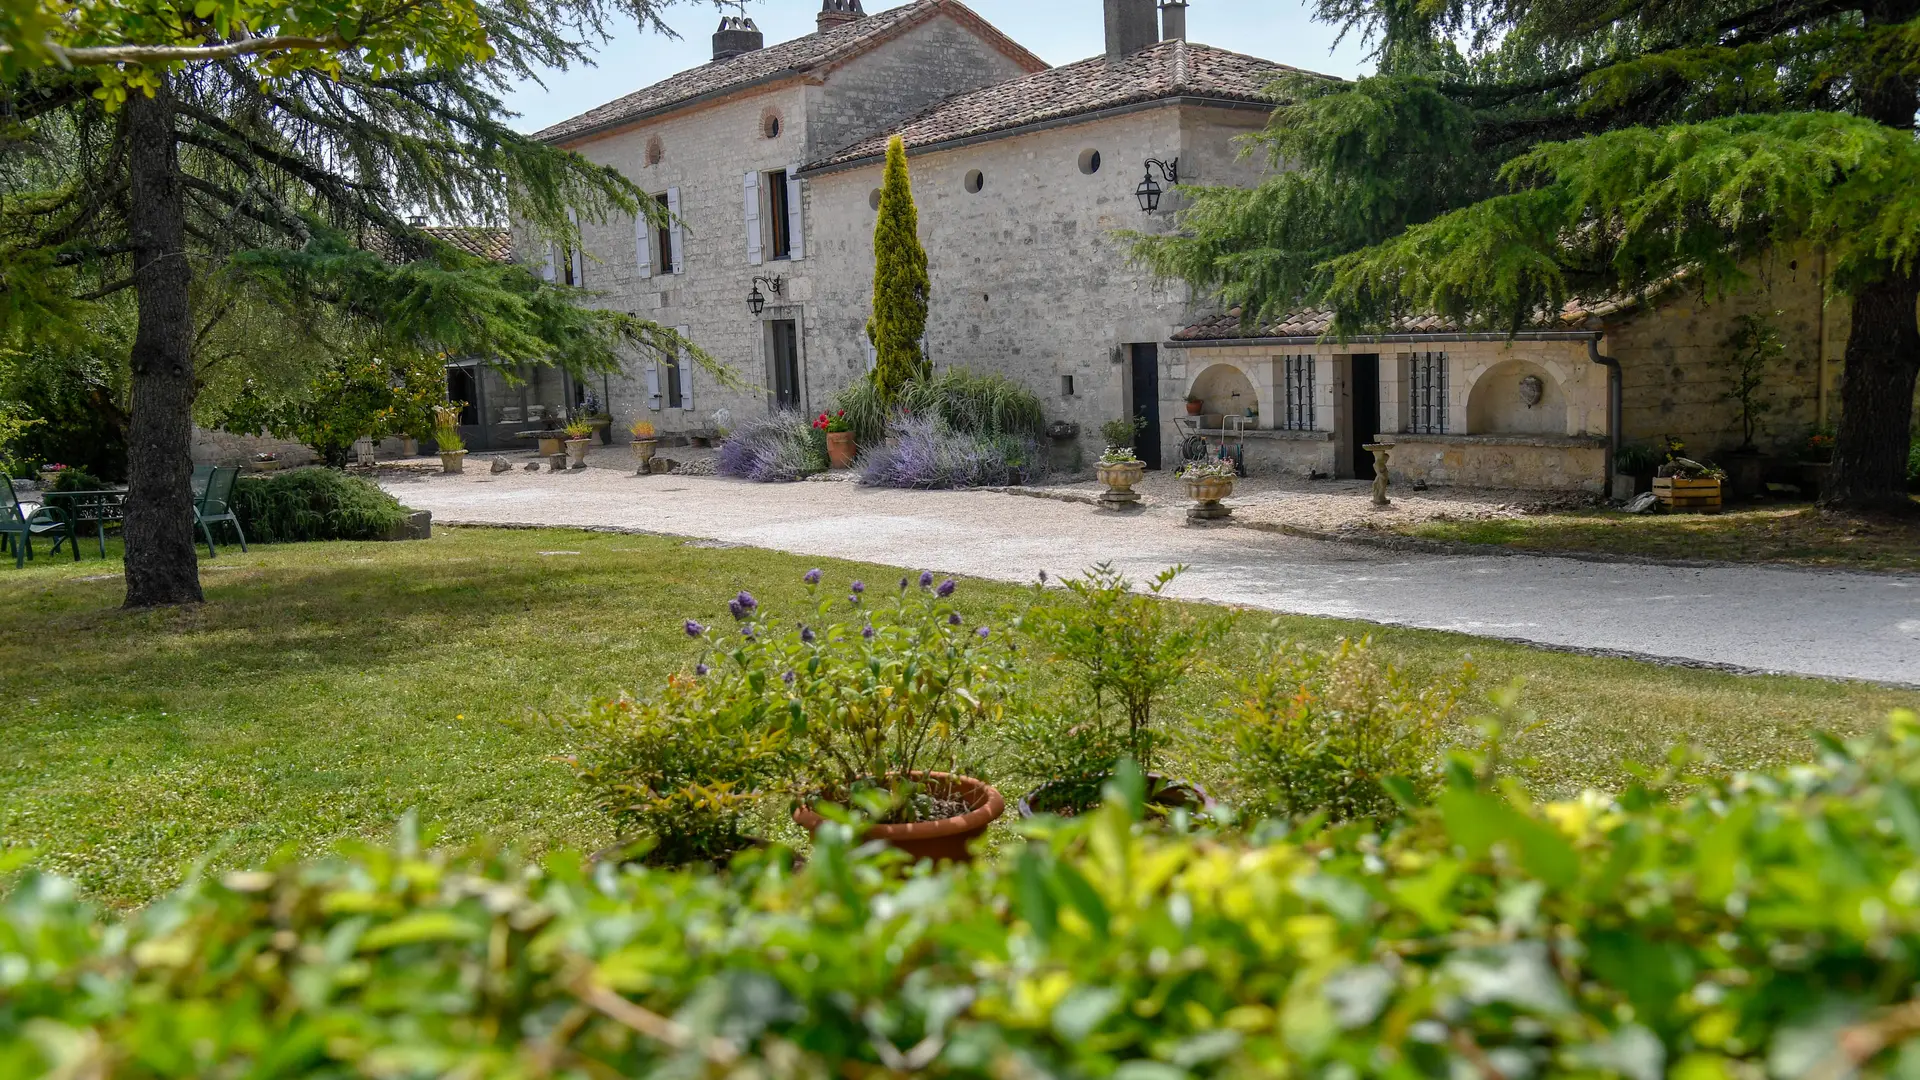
(796, 231)
(547, 266)
(686, 372)
(750, 198)
(653, 386)
(579, 249)
(642, 245)
(678, 261)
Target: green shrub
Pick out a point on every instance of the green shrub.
(866, 411)
(985, 406)
(1335, 732)
(683, 772)
(1762, 925)
(74, 478)
(314, 504)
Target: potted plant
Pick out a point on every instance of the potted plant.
(453, 449)
(841, 447)
(1195, 404)
(1207, 483)
(1816, 460)
(1119, 469)
(1685, 484)
(1757, 348)
(1122, 651)
(645, 441)
(579, 438)
(882, 698)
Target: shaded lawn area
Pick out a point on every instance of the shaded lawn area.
(1797, 535)
(327, 688)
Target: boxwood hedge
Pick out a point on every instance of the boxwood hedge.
(1763, 924)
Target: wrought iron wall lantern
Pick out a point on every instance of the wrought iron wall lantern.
(756, 301)
(1149, 192)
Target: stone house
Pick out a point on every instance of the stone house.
(1027, 179)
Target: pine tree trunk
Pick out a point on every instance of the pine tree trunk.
(1876, 401)
(162, 566)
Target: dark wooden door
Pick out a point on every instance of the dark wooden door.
(786, 364)
(1146, 401)
(1366, 412)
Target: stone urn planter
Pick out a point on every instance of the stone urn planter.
(1120, 478)
(1070, 798)
(1206, 493)
(453, 461)
(945, 839)
(643, 454)
(577, 452)
(841, 449)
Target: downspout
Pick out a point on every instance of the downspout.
(1615, 408)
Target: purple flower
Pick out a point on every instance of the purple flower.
(788, 678)
(953, 619)
(946, 588)
(694, 629)
(747, 632)
(742, 605)
(926, 579)
(903, 584)
(859, 587)
(1043, 577)
(867, 633)
(807, 634)
(701, 670)
(984, 633)
(813, 577)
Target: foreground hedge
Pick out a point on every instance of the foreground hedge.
(1766, 925)
(314, 504)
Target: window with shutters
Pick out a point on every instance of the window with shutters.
(663, 239)
(1298, 414)
(674, 389)
(1427, 393)
(779, 231)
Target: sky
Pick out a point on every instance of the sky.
(1060, 31)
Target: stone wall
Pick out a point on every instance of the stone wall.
(226, 448)
(1030, 277)
(706, 152)
(1540, 462)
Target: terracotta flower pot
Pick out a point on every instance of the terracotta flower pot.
(1194, 407)
(453, 461)
(577, 451)
(841, 449)
(946, 839)
(1161, 791)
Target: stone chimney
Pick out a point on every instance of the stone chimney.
(1173, 20)
(839, 13)
(737, 35)
(1131, 27)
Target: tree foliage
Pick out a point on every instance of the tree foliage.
(1509, 156)
(900, 282)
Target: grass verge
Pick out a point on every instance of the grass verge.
(1799, 536)
(326, 688)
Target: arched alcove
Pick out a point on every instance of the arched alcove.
(1225, 390)
(1517, 397)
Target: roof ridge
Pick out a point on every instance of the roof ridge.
(1180, 72)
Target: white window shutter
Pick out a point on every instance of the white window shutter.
(873, 356)
(678, 259)
(653, 387)
(643, 245)
(686, 373)
(796, 220)
(750, 198)
(547, 267)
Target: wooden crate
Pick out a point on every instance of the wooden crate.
(1687, 496)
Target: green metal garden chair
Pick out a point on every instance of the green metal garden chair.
(21, 522)
(215, 505)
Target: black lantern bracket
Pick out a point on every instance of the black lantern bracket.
(756, 301)
(1149, 192)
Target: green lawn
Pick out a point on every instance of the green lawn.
(1797, 535)
(326, 688)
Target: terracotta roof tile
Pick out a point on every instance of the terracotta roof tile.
(1317, 322)
(1169, 69)
(487, 243)
(788, 58)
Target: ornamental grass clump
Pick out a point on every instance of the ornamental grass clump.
(926, 453)
(988, 406)
(1338, 732)
(874, 692)
(777, 448)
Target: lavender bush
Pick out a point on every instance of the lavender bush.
(926, 453)
(781, 447)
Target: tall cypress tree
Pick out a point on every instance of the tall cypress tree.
(1508, 156)
(147, 144)
(900, 283)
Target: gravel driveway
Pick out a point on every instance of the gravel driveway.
(1839, 625)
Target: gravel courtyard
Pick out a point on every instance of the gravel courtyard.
(1841, 625)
